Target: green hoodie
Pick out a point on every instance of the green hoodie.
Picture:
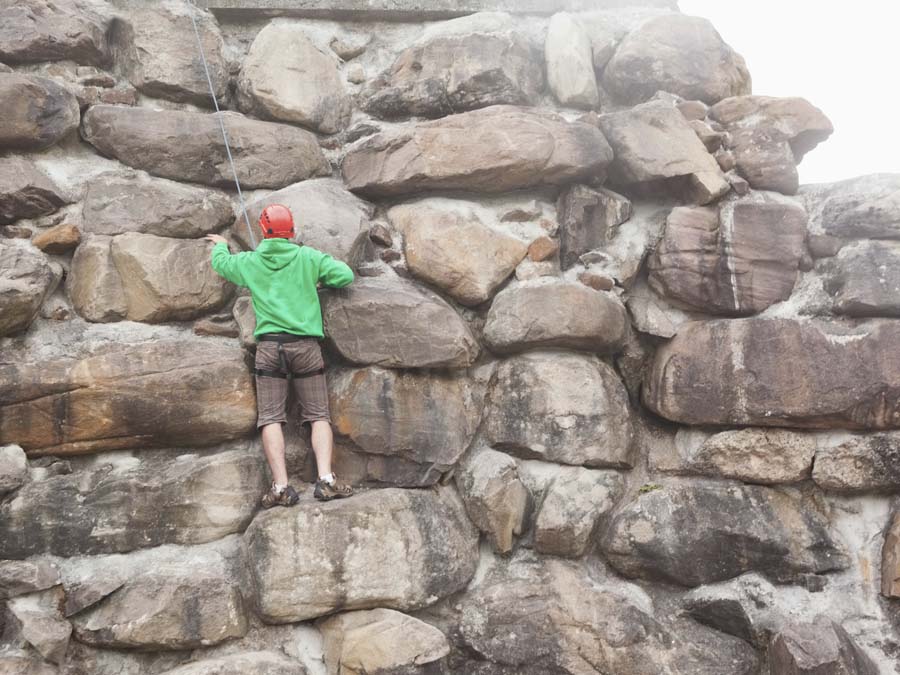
(282, 278)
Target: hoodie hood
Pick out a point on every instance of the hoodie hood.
(277, 253)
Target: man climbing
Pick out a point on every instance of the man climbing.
(283, 278)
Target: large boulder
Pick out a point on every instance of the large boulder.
(820, 648)
(390, 321)
(26, 280)
(769, 136)
(549, 617)
(188, 392)
(167, 279)
(37, 112)
(588, 220)
(25, 191)
(448, 244)
(864, 279)
(243, 663)
(859, 208)
(326, 217)
(286, 77)
(118, 204)
(94, 284)
(157, 49)
(448, 73)
(683, 55)
(381, 641)
(397, 549)
(106, 510)
(188, 146)
(859, 463)
(52, 30)
(560, 407)
(569, 63)
(422, 421)
(166, 609)
(496, 500)
(495, 149)
(752, 455)
(736, 259)
(694, 533)
(552, 313)
(653, 142)
(745, 372)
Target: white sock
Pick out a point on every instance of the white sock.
(278, 488)
(328, 479)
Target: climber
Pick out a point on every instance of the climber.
(283, 279)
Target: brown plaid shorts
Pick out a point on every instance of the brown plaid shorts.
(304, 358)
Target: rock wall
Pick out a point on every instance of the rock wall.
(621, 396)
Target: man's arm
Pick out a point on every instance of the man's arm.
(225, 264)
(334, 273)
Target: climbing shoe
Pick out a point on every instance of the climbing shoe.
(325, 492)
(287, 497)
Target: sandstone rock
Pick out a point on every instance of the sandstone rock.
(864, 279)
(381, 235)
(220, 325)
(424, 419)
(473, 151)
(890, 559)
(495, 498)
(41, 30)
(389, 321)
(166, 610)
(753, 455)
(576, 501)
(569, 63)
(654, 314)
(653, 142)
(549, 616)
(560, 407)
(245, 317)
(326, 217)
(13, 468)
(450, 73)
(20, 577)
(286, 77)
(397, 549)
(587, 220)
(769, 137)
(167, 279)
(26, 192)
(447, 244)
(567, 314)
(58, 239)
(26, 279)
(243, 663)
(699, 533)
(693, 110)
(192, 392)
(745, 372)
(712, 140)
(191, 500)
(21, 662)
(151, 48)
(859, 208)
(736, 260)
(188, 146)
(94, 284)
(542, 248)
(38, 622)
(37, 112)
(859, 463)
(381, 641)
(680, 54)
(119, 204)
(597, 281)
(823, 647)
(724, 614)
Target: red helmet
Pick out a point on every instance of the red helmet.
(276, 221)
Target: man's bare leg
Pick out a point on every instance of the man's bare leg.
(273, 445)
(323, 446)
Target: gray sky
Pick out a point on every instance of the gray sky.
(844, 57)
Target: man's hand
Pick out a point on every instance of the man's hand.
(216, 239)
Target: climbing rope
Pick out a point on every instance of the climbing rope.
(212, 94)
